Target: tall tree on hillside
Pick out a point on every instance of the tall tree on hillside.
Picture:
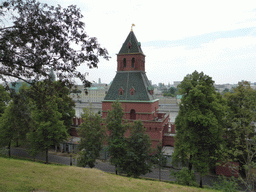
(4, 99)
(15, 121)
(199, 123)
(47, 124)
(92, 138)
(39, 37)
(65, 103)
(116, 141)
(137, 159)
(241, 139)
(159, 159)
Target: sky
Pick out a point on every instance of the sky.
(217, 38)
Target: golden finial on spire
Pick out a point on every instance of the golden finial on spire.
(132, 27)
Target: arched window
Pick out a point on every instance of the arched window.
(124, 62)
(132, 114)
(132, 91)
(133, 61)
(121, 91)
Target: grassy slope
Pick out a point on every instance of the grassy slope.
(20, 175)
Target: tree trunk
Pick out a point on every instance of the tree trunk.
(189, 163)
(17, 142)
(189, 166)
(46, 156)
(201, 182)
(9, 149)
(159, 173)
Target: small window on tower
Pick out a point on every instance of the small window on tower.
(124, 62)
(132, 91)
(121, 91)
(133, 61)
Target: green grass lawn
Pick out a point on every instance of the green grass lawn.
(23, 175)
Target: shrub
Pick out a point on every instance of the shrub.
(226, 185)
(184, 177)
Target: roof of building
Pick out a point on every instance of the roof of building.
(128, 80)
(131, 45)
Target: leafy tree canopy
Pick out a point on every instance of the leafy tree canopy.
(137, 159)
(199, 123)
(40, 37)
(4, 99)
(116, 141)
(92, 138)
(240, 132)
(47, 107)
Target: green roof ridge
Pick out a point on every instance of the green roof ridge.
(127, 80)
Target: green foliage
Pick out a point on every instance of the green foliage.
(129, 155)
(137, 159)
(240, 132)
(65, 103)
(92, 138)
(39, 37)
(184, 176)
(3, 152)
(199, 123)
(159, 158)
(226, 185)
(4, 99)
(226, 90)
(14, 123)
(47, 126)
(172, 92)
(116, 140)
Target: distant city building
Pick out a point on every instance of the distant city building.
(176, 83)
(92, 99)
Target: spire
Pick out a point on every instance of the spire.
(131, 45)
(133, 25)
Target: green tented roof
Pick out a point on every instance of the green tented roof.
(131, 45)
(127, 80)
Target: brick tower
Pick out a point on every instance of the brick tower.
(134, 91)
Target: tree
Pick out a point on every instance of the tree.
(65, 103)
(48, 128)
(14, 123)
(226, 90)
(159, 158)
(4, 99)
(7, 128)
(173, 90)
(137, 159)
(42, 37)
(92, 138)
(116, 141)
(199, 124)
(240, 132)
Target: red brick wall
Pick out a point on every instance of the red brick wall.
(168, 140)
(139, 64)
(172, 128)
(226, 170)
(73, 132)
(139, 108)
